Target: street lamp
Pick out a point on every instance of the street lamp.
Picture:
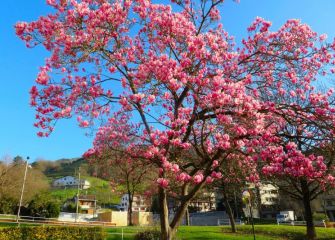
(246, 197)
(78, 192)
(22, 190)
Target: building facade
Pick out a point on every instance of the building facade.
(265, 198)
(87, 204)
(71, 182)
(268, 194)
(204, 203)
(329, 205)
(140, 203)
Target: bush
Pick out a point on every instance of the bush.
(42, 205)
(72, 208)
(52, 233)
(320, 217)
(148, 235)
(7, 205)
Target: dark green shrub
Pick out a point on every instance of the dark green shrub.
(52, 233)
(148, 235)
(7, 205)
(72, 208)
(320, 217)
(42, 205)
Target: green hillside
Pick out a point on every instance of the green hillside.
(69, 167)
(99, 187)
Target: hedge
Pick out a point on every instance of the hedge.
(52, 233)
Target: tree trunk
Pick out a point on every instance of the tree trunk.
(259, 201)
(230, 213)
(166, 233)
(311, 234)
(130, 209)
(187, 213)
(187, 217)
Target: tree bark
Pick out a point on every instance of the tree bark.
(187, 213)
(187, 217)
(179, 214)
(168, 230)
(259, 201)
(230, 213)
(130, 209)
(310, 228)
(166, 233)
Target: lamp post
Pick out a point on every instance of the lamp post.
(22, 190)
(246, 197)
(77, 202)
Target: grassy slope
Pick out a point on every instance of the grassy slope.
(98, 187)
(68, 167)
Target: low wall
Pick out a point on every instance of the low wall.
(118, 218)
(142, 218)
(71, 217)
(330, 224)
(121, 218)
(200, 218)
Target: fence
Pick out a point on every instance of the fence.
(303, 223)
(50, 221)
(73, 217)
(123, 232)
(227, 222)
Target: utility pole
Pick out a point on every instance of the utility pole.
(246, 197)
(78, 189)
(22, 190)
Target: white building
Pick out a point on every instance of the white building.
(71, 182)
(329, 207)
(205, 202)
(140, 203)
(269, 194)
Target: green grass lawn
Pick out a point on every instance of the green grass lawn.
(286, 232)
(263, 232)
(188, 233)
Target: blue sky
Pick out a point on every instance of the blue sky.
(19, 66)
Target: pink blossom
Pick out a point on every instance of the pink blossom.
(112, 69)
(183, 177)
(162, 182)
(209, 180)
(215, 163)
(198, 178)
(42, 78)
(217, 175)
(84, 123)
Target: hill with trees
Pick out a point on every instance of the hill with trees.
(106, 195)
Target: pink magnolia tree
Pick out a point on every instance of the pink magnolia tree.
(170, 82)
(290, 68)
(115, 161)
